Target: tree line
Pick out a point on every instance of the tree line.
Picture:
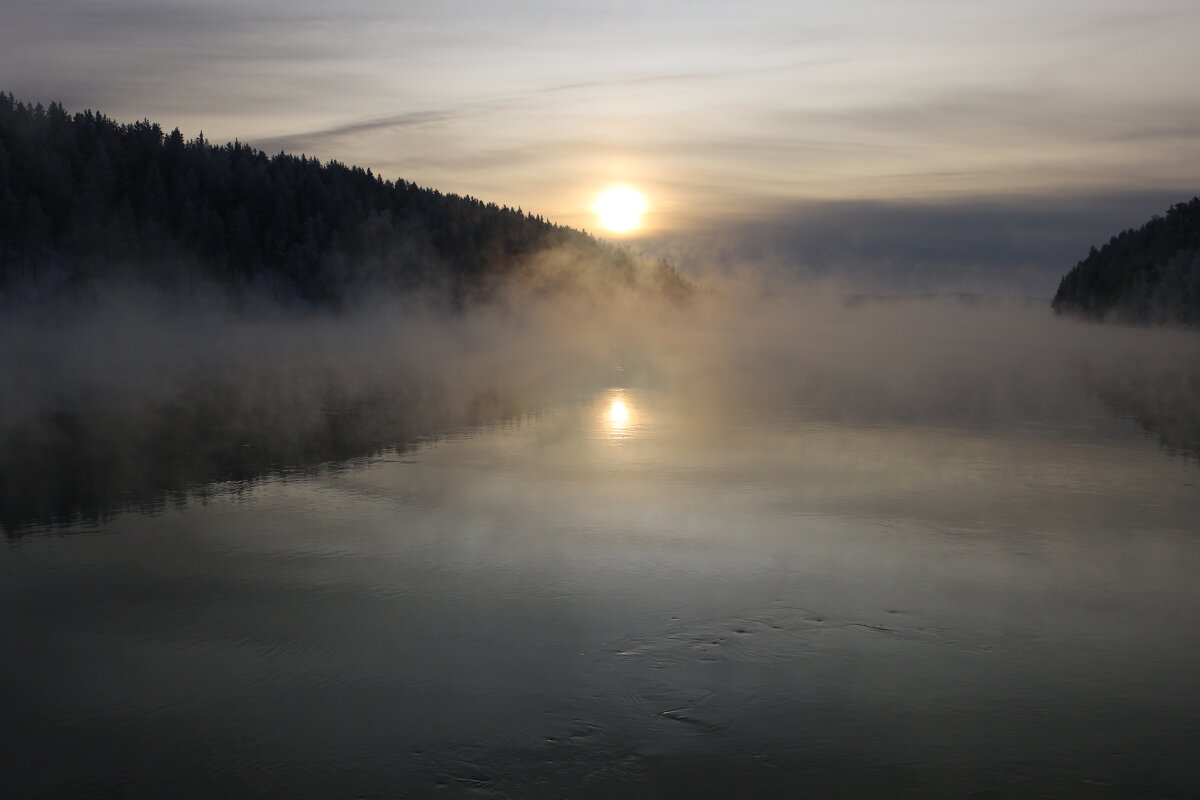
(85, 199)
(1147, 275)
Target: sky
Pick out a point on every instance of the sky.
(918, 145)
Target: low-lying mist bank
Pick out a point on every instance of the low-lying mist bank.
(136, 400)
(130, 397)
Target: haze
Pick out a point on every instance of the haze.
(872, 126)
(313, 485)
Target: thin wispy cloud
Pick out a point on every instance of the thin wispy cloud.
(498, 104)
(717, 112)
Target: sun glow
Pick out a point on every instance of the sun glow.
(620, 209)
(618, 414)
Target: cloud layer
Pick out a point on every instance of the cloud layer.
(719, 113)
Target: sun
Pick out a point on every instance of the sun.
(620, 209)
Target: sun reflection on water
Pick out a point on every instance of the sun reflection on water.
(619, 415)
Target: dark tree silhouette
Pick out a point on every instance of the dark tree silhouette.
(1148, 275)
(84, 199)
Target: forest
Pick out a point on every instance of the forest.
(86, 201)
(1148, 275)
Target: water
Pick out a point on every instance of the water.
(636, 593)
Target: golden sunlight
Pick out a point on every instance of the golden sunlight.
(618, 414)
(618, 418)
(620, 209)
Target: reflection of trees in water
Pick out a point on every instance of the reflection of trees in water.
(86, 462)
(1164, 401)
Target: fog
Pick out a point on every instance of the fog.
(907, 545)
(136, 399)
(1019, 245)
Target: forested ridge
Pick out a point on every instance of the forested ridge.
(85, 200)
(1147, 275)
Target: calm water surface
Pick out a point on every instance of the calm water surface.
(632, 595)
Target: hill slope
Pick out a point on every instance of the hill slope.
(84, 200)
(1151, 274)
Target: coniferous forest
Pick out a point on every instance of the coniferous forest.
(85, 200)
(1148, 275)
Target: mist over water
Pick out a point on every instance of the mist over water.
(594, 543)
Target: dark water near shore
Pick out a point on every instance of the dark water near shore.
(634, 594)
